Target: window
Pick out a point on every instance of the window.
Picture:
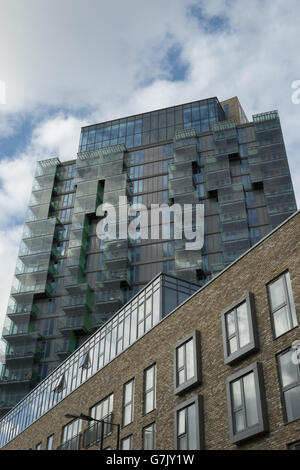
(126, 443)
(103, 410)
(128, 399)
(289, 372)
(240, 336)
(67, 200)
(45, 349)
(59, 385)
(85, 362)
(187, 370)
(189, 425)
(51, 306)
(38, 446)
(282, 305)
(294, 446)
(150, 389)
(149, 433)
(48, 327)
(252, 216)
(246, 403)
(69, 185)
(70, 435)
(64, 215)
(50, 442)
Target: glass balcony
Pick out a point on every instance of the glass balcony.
(233, 212)
(112, 197)
(98, 319)
(114, 277)
(40, 197)
(263, 171)
(191, 197)
(186, 154)
(181, 186)
(79, 323)
(34, 246)
(23, 352)
(76, 259)
(86, 204)
(111, 245)
(43, 182)
(39, 229)
(35, 213)
(21, 311)
(47, 167)
(233, 193)
(187, 259)
(117, 182)
(15, 376)
(79, 300)
(117, 258)
(180, 170)
(9, 400)
(64, 346)
(234, 249)
(185, 134)
(35, 270)
(19, 332)
(187, 274)
(216, 163)
(280, 185)
(218, 180)
(109, 300)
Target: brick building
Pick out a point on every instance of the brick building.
(220, 371)
(68, 282)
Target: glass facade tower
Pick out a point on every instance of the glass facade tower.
(68, 282)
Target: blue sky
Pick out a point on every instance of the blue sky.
(72, 63)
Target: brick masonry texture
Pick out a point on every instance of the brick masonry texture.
(251, 273)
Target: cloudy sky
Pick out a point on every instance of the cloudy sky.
(70, 63)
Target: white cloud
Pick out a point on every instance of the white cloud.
(94, 59)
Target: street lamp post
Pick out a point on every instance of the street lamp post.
(89, 419)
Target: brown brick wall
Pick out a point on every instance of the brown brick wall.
(279, 252)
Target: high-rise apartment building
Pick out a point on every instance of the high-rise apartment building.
(68, 282)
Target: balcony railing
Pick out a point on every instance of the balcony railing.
(113, 276)
(22, 311)
(20, 332)
(71, 444)
(79, 323)
(24, 352)
(15, 376)
(118, 257)
(93, 433)
(90, 436)
(9, 400)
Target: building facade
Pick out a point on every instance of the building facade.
(68, 282)
(216, 372)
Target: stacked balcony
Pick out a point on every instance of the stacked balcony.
(225, 137)
(18, 376)
(268, 165)
(66, 345)
(8, 399)
(34, 271)
(183, 191)
(77, 306)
